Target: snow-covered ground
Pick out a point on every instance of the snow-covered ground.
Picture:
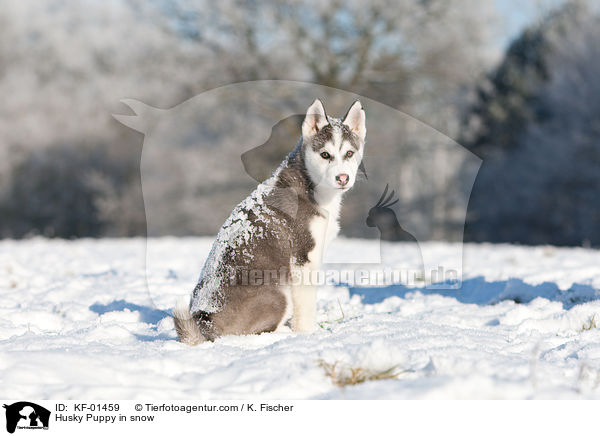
(77, 321)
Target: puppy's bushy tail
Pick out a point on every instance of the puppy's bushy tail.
(186, 326)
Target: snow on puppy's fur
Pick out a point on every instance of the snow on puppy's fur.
(278, 233)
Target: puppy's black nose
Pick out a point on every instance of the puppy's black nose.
(342, 179)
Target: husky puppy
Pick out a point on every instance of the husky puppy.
(257, 275)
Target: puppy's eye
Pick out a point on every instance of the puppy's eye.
(349, 153)
(325, 155)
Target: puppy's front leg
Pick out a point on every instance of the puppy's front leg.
(304, 299)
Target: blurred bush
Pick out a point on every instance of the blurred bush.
(60, 191)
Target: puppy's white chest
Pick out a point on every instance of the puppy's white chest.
(324, 229)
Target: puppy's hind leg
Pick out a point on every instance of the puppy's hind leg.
(286, 290)
(250, 310)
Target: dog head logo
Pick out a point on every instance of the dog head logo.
(203, 156)
(26, 415)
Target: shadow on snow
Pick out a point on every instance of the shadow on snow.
(149, 315)
(478, 291)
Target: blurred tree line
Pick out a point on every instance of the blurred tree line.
(68, 169)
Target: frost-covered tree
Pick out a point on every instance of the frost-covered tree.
(419, 56)
(64, 66)
(536, 128)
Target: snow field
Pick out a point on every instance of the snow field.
(77, 321)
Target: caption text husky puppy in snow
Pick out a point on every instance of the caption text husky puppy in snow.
(254, 279)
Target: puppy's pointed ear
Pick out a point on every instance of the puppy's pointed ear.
(315, 119)
(355, 119)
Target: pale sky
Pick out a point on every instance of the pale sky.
(519, 13)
